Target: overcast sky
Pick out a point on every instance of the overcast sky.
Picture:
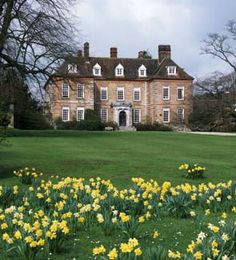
(133, 25)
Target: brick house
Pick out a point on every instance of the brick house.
(123, 90)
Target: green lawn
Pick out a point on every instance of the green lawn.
(120, 156)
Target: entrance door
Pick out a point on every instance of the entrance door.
(122, 118)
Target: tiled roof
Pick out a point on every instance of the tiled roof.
(108, 65)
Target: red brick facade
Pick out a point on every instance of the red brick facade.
(161, 92)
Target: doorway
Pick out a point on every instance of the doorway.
(122, 118)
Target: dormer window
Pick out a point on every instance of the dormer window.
(72, 68)
(97, 70)
(119, 71)
(171, 70)
(142, 71)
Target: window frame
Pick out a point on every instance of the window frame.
(144, 69)
(119, 67)
(97, 67)
(178, 88)
(136, 90)
(170, 72)
(182, 119)
(101, 110)
(106, 89)
(62, 110)
(80, 85)
(74, 68)
(139, 115)
(117, 91)
(68, 90)
(163, 97)
(163, 112)
(79, 109)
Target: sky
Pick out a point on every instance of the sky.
(134, 25)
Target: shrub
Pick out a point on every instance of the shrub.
(91, 115)
(152, 127)
(90, 125)
(112, 124)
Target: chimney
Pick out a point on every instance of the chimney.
(86, 50)
(140, 55)
(79, 53)
(164, 52)
(113, 52)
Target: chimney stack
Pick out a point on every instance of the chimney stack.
(140, 55)
(86, 50)
(79, 53)
(113, 52)
(164, 52)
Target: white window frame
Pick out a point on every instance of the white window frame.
(80, 85)
(97, 67)
(136, 90)
(106, 89)
(68, 109)
(119, 68)
(72, 68)
(139, 115)
(144, 69)
(171, 70)
(68, 90)
(79, 109)
(104, 109)
(117, 91)
(182, 114)
(182, 88)
(166, 110)
(163, 97)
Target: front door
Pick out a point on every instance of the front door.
(122, 118)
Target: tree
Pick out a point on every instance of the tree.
(213, 106)
(222, 46)
(28, 112)
(35, 36)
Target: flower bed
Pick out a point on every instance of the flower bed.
(40, 217)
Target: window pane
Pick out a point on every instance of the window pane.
(80, 114)
(136, 116)
(65, 90)
(65, 114)
(180, 115)
(180, 93)
(103, 93)
(165, 93)
(166, 116)
(120, 94)
(104, 115)
(136, 95)
(80, 91)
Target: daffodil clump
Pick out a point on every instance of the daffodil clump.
(125, 251)
(193, 171)
(27, 175)
(218, 243)
(37, 219)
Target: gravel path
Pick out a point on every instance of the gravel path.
(212, 133)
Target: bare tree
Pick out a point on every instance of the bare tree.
(216, 84)
(35, 36)
(223, 46)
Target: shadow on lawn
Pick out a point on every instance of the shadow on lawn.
(7, 172)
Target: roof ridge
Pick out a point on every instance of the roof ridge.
(123, 58)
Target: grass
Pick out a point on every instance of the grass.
(119, 156)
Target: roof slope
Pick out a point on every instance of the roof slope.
(131, 66)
